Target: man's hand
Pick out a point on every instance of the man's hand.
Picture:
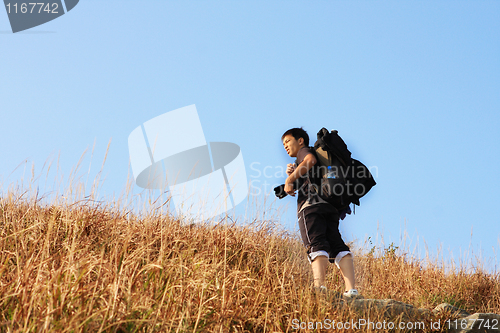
(290, 168)
(289, 187)
(297, 172)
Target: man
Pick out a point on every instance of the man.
(318, 220)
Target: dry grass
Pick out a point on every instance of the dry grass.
(394, 275)
(86, 267)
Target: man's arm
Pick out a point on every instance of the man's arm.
(308, 162)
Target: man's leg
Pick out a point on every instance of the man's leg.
(313, 231)
(319, 266)
(346, 265)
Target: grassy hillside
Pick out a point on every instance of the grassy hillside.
(88, 268)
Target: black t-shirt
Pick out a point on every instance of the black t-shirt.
(309, 184)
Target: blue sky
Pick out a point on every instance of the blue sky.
(413, 87)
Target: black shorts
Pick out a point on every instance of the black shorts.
(319, 229)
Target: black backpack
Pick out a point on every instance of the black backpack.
(352, 178)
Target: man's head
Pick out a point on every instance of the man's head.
(293, 140)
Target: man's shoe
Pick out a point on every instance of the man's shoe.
(320, 290)
(326, 294)
(351, 294)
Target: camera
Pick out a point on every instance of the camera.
(279, 191)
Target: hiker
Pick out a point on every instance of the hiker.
(318, 220)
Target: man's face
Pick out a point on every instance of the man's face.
(292, 146)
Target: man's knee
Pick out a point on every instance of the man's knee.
(313, 255)
(342, 255)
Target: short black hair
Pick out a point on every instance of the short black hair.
(297, 133)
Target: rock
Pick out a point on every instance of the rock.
(390, 308)
(478, 322)
(465, 322)
(445, 307)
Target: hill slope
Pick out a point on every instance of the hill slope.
(87, 268)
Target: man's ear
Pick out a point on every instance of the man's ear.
(300, 141)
